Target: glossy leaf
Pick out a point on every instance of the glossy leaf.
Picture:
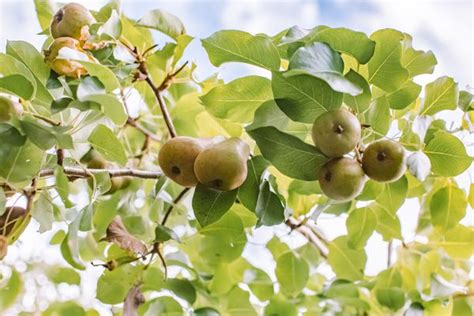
(105, 142)
(210, 205)
(448, 206)
(164, 22)
(441, 94)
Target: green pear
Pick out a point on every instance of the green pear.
(342, 179)
(9, 109)
(70, 68)
(94, 160)
(223, 166)
(8, 219)
(177, 156)
(384, 160)
(336, 132)
(72, 20)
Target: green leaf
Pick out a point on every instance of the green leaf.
(457, 242)
(28, 55)
(321, 61)
(111, 106)
(238, 46)
(182, 288)
(237, 303)
(11, 66)
(292, 273)
(19, 85)
(393, 298)
(249, 190)
(445, 150)
(45, 10)
(378, 116)
(388, 223)
(441, 94)
(385, 68)
(39, 134)
(465, 102)
(269, 114)
(70, 245)
(42, 212)
(361, 102)
(105, 142)
(304, 98)
(164, 22)
(347, 263)
(417, 62)
(10, 290)
(210, 205)
(259, 283)
(238, 99)
(403, 97)
(279, 306)
(19, 164)
(289, 154)
(163, 233)
(344, 40)
(448, 206)
(103, 73)
(10, 135)
(112, 28)
(360, 224)
(269, 208)
(86, 213)
(113, 286)
(393, 195)
(64, 308)
(64, 275)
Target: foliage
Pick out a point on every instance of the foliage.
(152, 236)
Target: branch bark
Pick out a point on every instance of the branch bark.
(307, 232)
(86, 173)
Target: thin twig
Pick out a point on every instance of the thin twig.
(175, 201)
(389, 254)
(86, 173)
(309, 234)
(60, 156)
(143, 130)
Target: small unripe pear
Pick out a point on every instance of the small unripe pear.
(72, 20)
(223, 166)
(336, 132)
(70, 68)
(177, 157)
(8, 220)
(384, 160)
(9, 109)
(342, 179)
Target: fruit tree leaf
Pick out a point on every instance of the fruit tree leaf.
(393, 298)
(378, 116)
(448, 206)
(111, 106)
(304, 98)
(344, 40)
(210, 205)
(103, 73)
(117, 233)
(163, 233)
(164, 22)
(238, 46)
(445, 150)
(360, 224)
(249, 190)
(388, 223)
(259, 283)
(385, 68)
(10, 135)
(70, 245)
(292, 273)
(182, 288)
(347, 263)
(457, 242)
(394, 194)
(441, 94)
(361, 102)
(11, 66)
(29, 55)
(105, 142)
(113, 286)
(417, 62)
(289, 154)
(269, 208)
(403, 97)
(18, 164)
(321, 61)
(238, 99)
(10, 290)
(39, 134)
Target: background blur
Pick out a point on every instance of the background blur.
(443, 26)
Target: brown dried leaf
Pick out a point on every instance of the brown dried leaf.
(117, 233)
(134, 299)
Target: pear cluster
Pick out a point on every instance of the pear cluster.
(69, 29)
(218, 165)
(93, 160)
(337, 133)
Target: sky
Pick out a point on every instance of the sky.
(445, 27)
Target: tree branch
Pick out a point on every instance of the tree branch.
(143, 130)
(307, 232)
(86, 173)
(175, 201)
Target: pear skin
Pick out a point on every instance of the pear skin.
(61, 66)
(72, 20)
(342, 179)
(223, 166)
(177, 157)
(384, 160)
(336, 132)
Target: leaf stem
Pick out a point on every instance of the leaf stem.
(175, 201)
